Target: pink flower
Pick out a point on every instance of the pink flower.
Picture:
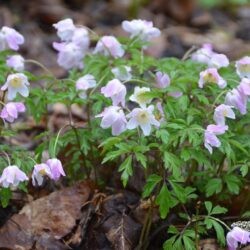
(244, 86)
(10, 38)
(39, 172)
(211, 76)
(218, 61)
(109, 45)
(12, 176)
(237, 99)
(113, 117)
(141, 28)
(221, 112)
(122, 73)
(16, 83)
(144, 118)
(210, 138)
(243, 67)
(162, 80)
(139, 96)
(65, 29)
(116, 91)
(16, 62)
(175, 94)
(56, 168)
(204, 54)
(81, 38)
(11, 110)
(70, 55)
(237, 236)
(84, 83)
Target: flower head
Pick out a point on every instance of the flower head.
(221, 112)
(237, 99)
(109, 45)
(12, 176)
(116, 91)
(10, 38)
(39, 172)
(16, 62)
(139, 96)
(144, 118)
(237, 236)
(243, 67)
(211, 76)
(11, 110)
(141, 28)
(56, 168)
(65, 29)
(113, 117)
(204, 54)
(84, 83)
(81, 38)
(162, 80)
(122, 73)
(218, 61)
(16, 83)
(244, 86)
(210, 138)
(70, 55)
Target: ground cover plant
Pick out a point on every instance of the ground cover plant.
(183, 123)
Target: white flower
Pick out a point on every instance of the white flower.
(16, 83)
(12, 176)
(84, 83)
(65, 29)
(221, 112)
(144, 118)
(39, 172)
(16, 62)
(139, 96)
(122, 73)
(243, 67)
(141, 28)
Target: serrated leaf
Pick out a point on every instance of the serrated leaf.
(126, 169)
(163, 199)
(233, 183)
(214, 186)
(219, 232)
(152, 181)
(208, 205)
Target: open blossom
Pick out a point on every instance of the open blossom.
(70, 55)
(210, 138)
(11, 110)
(81, 38)
(237, 236)
(109, 45)
(122, 73)
(144, 118)
(243, 67)
(237, 99)
(218, 61)
(244, 86)
(12, 176)
(139, 96)
(39, 172)
(116, 91)
(16, 62)
(65, 29)
(211, 76)
(84, 83)
(16, 83)
(113, 117)
(141, 28)
(204, 54)
(56, 168)
(221, 112)
(162, 80)
(10, 39)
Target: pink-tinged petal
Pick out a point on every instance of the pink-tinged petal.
(146, 128)
(56, 168)
(175, 94)
(20, 107)
(162, 80)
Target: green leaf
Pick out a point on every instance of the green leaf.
(5, 196)
(233, 183)
(126, 169)
(218, 210)
(246, 214)
(179, 191)
(208, 205)
(244, 170)
(163, 199)
(112, 155)
(188, 243)
(141, 158)
(152, 181)
(214, 186)
(173, 163)
(219, 232)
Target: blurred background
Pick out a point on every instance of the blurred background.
(184, 23)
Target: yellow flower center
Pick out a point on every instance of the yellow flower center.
(245, 68)
(143, 117)
(16, 82)
(209, 78)
(42, 172)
